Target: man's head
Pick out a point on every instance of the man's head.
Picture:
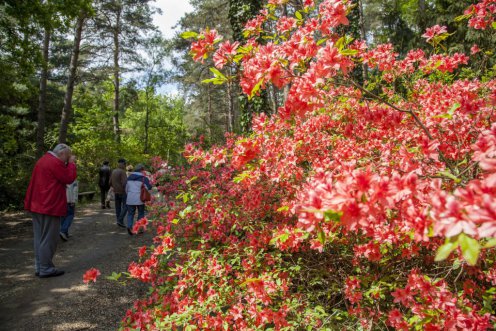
(121, 163)
(105, 162)
(63, 152)
(140, 167)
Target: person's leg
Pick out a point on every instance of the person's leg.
(141, 211)
(67, 220)
(118, 205)
(50, 226)
(130, 216)
(123, 212)
(103, 196)
(37, 238)
(107, 202)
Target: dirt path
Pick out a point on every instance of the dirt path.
(66, 303)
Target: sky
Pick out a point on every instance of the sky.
(172, 11)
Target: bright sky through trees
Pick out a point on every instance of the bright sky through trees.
(172, 11)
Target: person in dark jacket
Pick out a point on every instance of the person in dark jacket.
(47, 201)
(104, 183)
(133, 190)
(118, 181)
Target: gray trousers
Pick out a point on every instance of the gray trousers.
(46, 237)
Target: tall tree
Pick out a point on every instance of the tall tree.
(40, 132)
(71, 79)
(122, 24)
(208, 108)
(153, 75)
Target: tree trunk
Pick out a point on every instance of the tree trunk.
(209, 112)
(117, 130)
(40, 132)
(422, 19)
(147, 119)
(67, 110)
(230, 108)
(363, 36)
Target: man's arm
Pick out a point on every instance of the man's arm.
(65, 174)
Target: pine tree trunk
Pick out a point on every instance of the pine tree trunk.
(40, 133)
(209, 112)
(147, 120)
(67, 110)
(230, 107)
(422, 22)
(363, 36)
(117, 130)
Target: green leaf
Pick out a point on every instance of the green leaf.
(445, 250)
(321, 236)
(470, 248)
(494, 25)
(256, 88)
(189, 34)
(215, 81)
(340, 43)
(491, 243)
(217, 73)
(321, 41)
(450, 176)
(331, 215)
(348, 52)
(298, 15)
(281, 238)
(115, 276)
(283, 208)
(462, 17)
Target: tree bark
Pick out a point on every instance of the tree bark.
(363, 36)
(422, 22)
(230, 107)
(117, 130)
(40, 132)
(67, 110)
(147, 119)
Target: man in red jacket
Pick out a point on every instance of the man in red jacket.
(47, 201)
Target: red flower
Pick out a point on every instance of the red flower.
(431, 32)
(91, 275)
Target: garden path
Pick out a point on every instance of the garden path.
(66, 303)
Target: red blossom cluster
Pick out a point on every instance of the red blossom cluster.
(482, 15)
(354, 205)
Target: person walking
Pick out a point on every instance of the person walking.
(133, 190)
(72, 196)
(104, 183)
(118, 181)
(47, 201)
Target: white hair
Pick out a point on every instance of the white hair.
(60, 148)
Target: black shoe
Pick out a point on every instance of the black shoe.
(56, 273)
(103, 207)
(120, 224)
(37, 274)
(130, 232)
(64, 236)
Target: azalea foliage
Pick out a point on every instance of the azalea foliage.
(357, 206)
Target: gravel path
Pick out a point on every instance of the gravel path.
(65, 302)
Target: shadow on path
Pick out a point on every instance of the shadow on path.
(65, 302)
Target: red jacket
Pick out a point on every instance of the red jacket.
(46, 191)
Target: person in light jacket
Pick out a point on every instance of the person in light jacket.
(133, 191)
(72, 196)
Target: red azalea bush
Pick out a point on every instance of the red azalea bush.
(356, 206)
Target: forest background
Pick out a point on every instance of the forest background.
(90, 73)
